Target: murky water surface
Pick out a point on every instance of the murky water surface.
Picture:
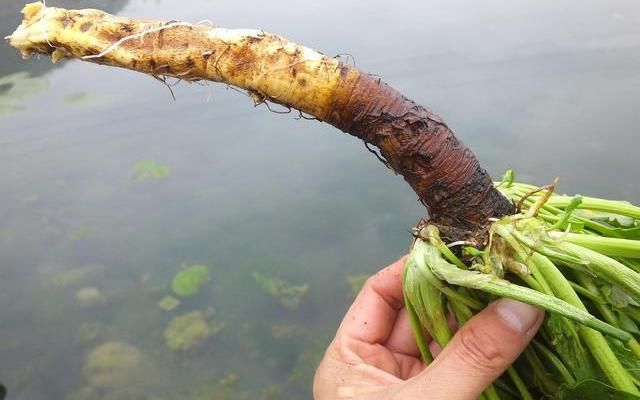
(109, 188)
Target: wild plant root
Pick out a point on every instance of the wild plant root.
(576, 257)
(413, 141)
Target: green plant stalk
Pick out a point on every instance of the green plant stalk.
(519, 384)
(613, 247)
(604, 267)
(555, 361)
(504, 288)
(596, 343)
(586, 260)
(607, 312)
(540, 372)
(414, 319)
(422, 290)
(592, 203)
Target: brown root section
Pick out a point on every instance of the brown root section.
(418, 145)
(414, 142)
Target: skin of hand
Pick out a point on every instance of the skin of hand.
(374, 355)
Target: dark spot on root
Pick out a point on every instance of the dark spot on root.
(66, 21)
(160, 39)
(253, 39)
(302, 82)
(344, 69)
(86, 26)
(127, 29)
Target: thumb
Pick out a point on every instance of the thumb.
(479, 353)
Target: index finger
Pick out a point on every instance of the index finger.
(372, 315)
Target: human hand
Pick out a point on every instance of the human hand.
(374, 354)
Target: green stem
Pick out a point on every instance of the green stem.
(501, 287)
(592, 203)
(540, 372)
(608, 246)
(555, 361)
(604, 267)
(519, 383)
(414, 321)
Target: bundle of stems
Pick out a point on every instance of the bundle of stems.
(576, 257)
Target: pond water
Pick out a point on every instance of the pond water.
(110, 188)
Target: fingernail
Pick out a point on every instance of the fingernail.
(518, 316)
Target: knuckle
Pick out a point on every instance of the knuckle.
(479, 350)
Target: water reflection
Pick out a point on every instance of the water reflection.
(268, 203)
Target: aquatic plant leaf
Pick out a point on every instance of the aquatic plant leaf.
(189, 281)
(18, 86)
(149, 169)
(287, 294)
(592, 389)
(190, 330)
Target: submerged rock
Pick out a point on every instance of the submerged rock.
(287, 294)
(190, 330)
(189, 281)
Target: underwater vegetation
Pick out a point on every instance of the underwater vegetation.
(288, 294)
(189, 281)
(19, 86)
(149, 169)
(168, 303)
(90, 296)
(191, 330)
(71, 277)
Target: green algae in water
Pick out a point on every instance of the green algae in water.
(168, 303)
(149, 169)
(111, 362)
(19, 86)
(190, 330)
(189, 281)
(287, 294)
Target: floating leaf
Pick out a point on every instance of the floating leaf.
(189, 281)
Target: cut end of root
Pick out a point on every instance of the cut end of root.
(30, 37)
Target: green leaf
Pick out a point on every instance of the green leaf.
(617, 297)
(566, 342)
(592, 389)
(627, 358)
